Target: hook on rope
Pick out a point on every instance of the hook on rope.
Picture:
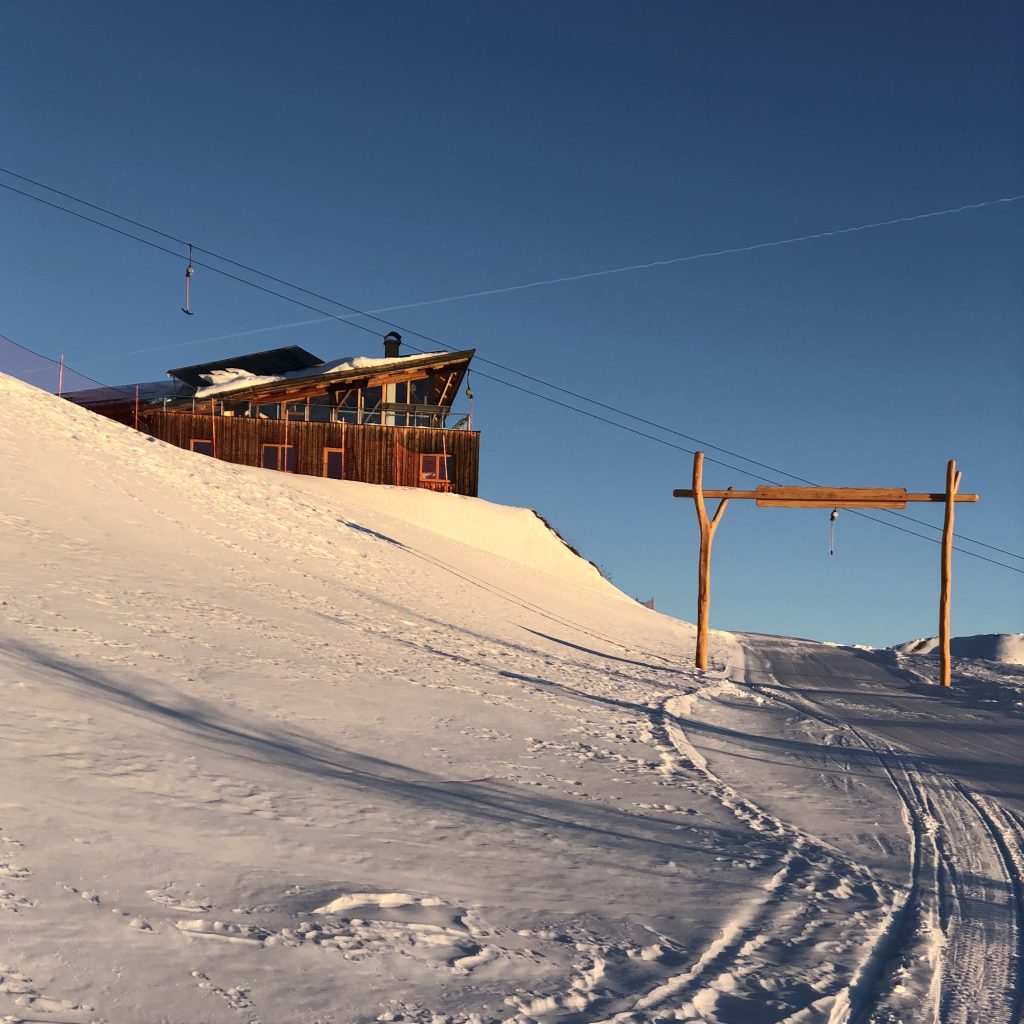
(189, 271)
(832, 531)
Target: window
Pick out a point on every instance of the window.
(348, 406)
(320, 409)
(236, 408)
(334, 463)
(371, 404)
(279, 456)
(201, 447)
(296, 411)
(419, 391)
(436, 468)
(270, 412)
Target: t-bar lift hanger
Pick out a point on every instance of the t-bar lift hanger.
(189, 271)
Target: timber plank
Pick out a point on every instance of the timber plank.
(837, 502)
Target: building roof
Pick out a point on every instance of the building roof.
(273, 362)
(352, 370)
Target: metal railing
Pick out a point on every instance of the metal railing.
(388, 414)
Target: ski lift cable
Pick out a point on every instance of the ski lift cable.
(370, 330)
(481, 359)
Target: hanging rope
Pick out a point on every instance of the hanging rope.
(832, 531)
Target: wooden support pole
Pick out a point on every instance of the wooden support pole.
(707, 535)
(946, 573)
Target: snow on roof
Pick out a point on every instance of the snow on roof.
(231, 379)
(273, 360)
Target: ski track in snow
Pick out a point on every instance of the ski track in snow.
(960, 927)
(817, 901)
(819, 912)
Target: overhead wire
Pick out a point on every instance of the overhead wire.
(672, 261)
(719, 462)
(356, 312)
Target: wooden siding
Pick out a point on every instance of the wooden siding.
(373, 454)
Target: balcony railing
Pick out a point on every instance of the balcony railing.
(403, 414)
(395, 414)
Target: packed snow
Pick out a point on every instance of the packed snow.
(280, 749)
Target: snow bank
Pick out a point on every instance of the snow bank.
(1007, 648)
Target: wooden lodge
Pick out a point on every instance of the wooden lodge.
(377, 420)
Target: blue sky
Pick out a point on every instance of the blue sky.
(394, 154)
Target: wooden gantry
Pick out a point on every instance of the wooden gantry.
(821, 497)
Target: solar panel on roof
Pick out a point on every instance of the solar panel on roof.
(269, 363)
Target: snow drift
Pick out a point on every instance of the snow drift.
(1007, 648)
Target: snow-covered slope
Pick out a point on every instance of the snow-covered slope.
(1004, 647)
(281, 749)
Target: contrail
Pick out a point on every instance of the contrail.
(672, 261)
(707, 255)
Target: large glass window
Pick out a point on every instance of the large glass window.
(296, 411)
(371, 404)
(348, 407)
(279, 456)
(236, 408)
(419, 391)
(321, 409)
(270, 412)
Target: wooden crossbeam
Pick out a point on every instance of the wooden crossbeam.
(827, 497)
(828, 493)
(827, 503)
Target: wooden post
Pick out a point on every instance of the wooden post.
(952, 485)
(60, 377)
(707, 535)
(136, 406)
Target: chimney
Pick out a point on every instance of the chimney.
(392, 342)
